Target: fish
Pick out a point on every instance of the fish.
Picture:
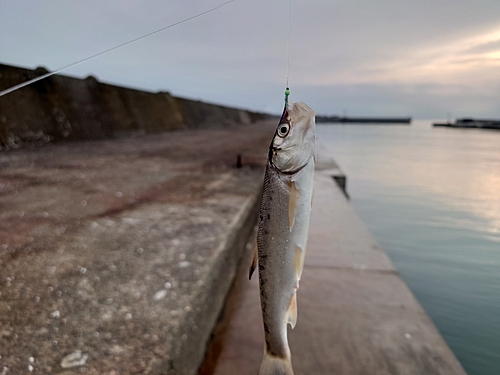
(283, 229)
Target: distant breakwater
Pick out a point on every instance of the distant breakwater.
(471, 124)
(363, 120)
(61, 108)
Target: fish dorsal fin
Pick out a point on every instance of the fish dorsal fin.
(292, 204)
(291, 313)
(255, 257)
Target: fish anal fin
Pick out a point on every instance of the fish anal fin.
(292, 203)
(255, 257)
(292, 310)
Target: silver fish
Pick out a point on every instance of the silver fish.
(283, 227)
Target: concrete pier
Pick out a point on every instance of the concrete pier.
(116, 257)
(356, 316)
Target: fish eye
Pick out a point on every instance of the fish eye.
(283, 130)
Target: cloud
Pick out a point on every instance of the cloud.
(238, 55)
(473, 60)
(418, 100)
(486, 47)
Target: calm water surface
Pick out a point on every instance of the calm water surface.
(431, 197)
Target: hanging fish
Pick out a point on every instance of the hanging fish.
(283, 227)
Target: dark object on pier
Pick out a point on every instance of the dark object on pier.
(363, 120)
(470, 123)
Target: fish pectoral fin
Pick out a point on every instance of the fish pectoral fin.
(292, 310)
(255, 257)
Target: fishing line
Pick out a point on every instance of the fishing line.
(21, 85)
(288, 41)
(287, 90)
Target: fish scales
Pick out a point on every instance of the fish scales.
(279, 272)
(283, 228)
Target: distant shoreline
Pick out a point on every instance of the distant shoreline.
(363, 120)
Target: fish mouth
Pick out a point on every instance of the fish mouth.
(273, 151)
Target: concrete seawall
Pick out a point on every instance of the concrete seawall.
(63, 108)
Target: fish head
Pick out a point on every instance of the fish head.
(294, 140)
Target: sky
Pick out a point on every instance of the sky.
(425, 58)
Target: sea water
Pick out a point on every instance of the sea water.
(431, 197)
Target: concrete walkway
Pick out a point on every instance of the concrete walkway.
(116, 256)
(356, 316)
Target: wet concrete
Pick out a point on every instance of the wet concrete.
(116, 256)
(356, 315)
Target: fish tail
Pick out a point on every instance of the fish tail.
(272, 365)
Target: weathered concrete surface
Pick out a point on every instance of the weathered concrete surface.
(356, 316)
(123, 250)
